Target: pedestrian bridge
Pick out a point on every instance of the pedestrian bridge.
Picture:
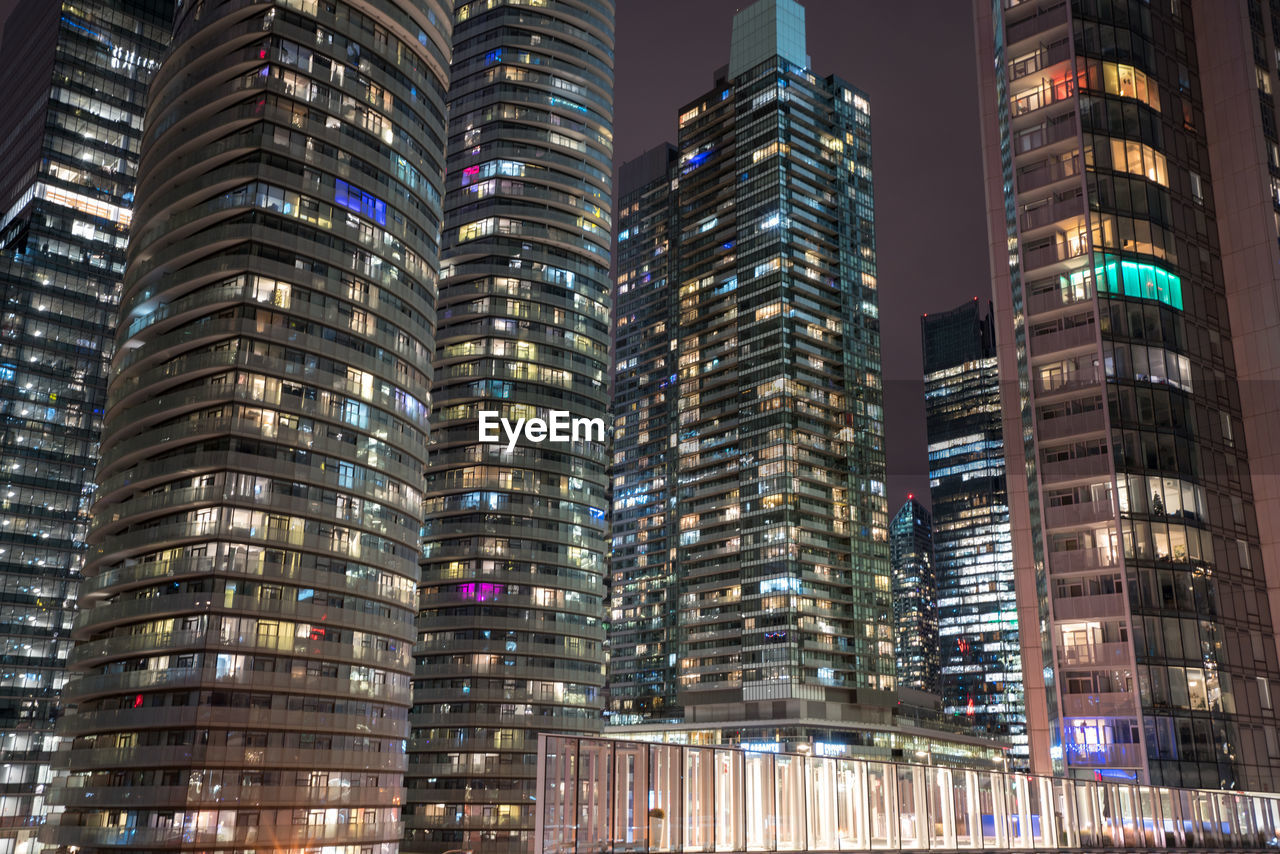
(605, 796)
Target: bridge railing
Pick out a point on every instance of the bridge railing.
(605, 796)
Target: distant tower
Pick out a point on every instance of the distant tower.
(644, 674)
(915, 598)
(76, 77)
(981, 661)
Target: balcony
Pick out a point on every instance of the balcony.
(1048, 171)
(1053, 253)
(1080, 560)
(1077, 468)
(1073, 515)
(1103, 704)
(1047, 133)
(1095, 655)
(1084, 335)
(1042, 21)
(1046, 94)
(1041, 59)
(1051, 210)
(1053, 384)
(1056, 299)
(1090, 607)
(1076, 424)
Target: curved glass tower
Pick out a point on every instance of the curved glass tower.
(242, 666)
(1140, 559)
(511, 630)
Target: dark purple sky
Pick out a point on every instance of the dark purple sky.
(914, 59)
(7, 6)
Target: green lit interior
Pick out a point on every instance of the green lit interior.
(1139, 279)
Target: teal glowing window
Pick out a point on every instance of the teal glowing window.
(1136, 279)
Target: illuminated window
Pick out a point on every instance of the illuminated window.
(1139, 159)
(1136, 279)
(355, 199)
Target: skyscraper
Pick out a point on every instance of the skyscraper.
(242, 667)
(981, 661)
(511, 629)
(644, 674)
(1147, 644)
(1238, 67)
(915, 597)
(765, 483)
(76, 76)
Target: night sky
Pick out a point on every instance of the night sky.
(915, 61)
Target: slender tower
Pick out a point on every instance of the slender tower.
(980, 666)
(76, 82)
(511, 632)
(243, 648)
(915, 597)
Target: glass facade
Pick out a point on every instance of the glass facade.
(643, 629)
(1239, 77)
(1143, 542)
(915, 597)
(981, 660)
(602, 795)
(241, 674)
(776, 522)
(76, 82)
(511, 622)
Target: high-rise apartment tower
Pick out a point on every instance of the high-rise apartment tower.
(511, 631)
(243, 658)
(1237, 45)
(751, 553)
(1148, 645)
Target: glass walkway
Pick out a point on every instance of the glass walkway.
(601, 796)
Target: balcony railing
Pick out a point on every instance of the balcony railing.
(1077, 424)
(1084, 513)
(1051, 131)
(1090, 607)
(1094, 655)
(1040, 303)
(1043, 58)
(1102, 704)
(1043, 96)
(1076, 468)
(1043, 256)
(1047, 172)
(1043, 20)
(1064, 339)
(1080, 560)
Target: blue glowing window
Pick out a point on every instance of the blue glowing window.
(355, 199)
